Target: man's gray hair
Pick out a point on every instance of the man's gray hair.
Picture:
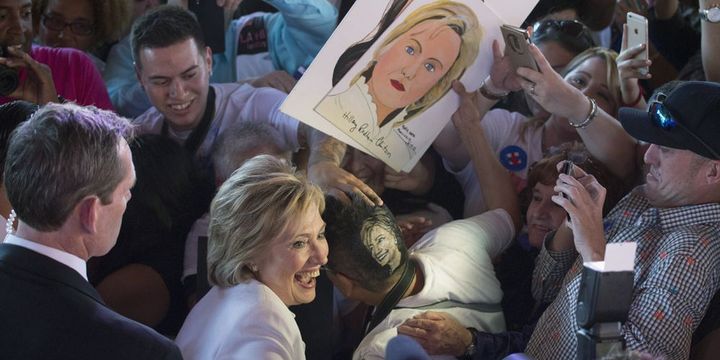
(62, 154)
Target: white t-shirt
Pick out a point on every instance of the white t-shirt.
(456, 260)
(233, 103)
(246, 321)
(502, 130)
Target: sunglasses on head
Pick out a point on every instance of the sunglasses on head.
(662, 117)
(570, 28)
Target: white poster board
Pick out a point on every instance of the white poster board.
(394, 96)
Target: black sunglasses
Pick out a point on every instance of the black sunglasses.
(570, 29)
(662, 117)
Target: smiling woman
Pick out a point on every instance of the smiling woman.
(81, 24)
(412, 68)
(265, 250)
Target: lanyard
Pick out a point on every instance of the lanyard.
(393, 297)
(197, 136)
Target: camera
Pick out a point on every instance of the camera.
(9, 78)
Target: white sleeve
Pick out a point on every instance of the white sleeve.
(494, 230)
(497, 124)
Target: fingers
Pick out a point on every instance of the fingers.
(631, 53)
(433, 315)
(543, 65)
(528, 76)
(624, 43)
(576, 172)
(459, 88)
(414, 332)
(361, 190)
(497, 53)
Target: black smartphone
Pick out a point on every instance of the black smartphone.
(567, 170)
(212, 22)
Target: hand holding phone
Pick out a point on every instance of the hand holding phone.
(517, 43)
(637, 33)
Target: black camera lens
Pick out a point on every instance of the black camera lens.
(9, 78)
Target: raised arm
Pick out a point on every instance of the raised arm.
(710, 44)
(298, 30)
(603, 135)
(491, 175)
(501, 81)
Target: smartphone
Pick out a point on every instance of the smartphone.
(567, 170)
(637, 33)
(212, 22)
(517, 47)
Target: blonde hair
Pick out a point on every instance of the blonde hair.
(112, 18)
(460, 19)
(610, 58)
(257, 204)
(613, 81)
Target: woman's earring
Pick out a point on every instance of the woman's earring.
(253, 268)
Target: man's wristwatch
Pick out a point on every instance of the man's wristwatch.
(711, 14)
(471, 349)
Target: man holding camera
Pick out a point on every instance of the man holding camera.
(42, 74)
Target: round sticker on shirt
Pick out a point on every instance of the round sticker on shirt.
(513, 158)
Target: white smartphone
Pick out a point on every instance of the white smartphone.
(637, 33)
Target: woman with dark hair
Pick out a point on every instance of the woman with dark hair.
(12, 114)
(87, 25)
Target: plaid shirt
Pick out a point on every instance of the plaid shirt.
(677, 272)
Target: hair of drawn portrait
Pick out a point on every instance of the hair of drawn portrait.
(461, 19)
(348, 230)
(353, 53)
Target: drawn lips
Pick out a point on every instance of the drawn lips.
(397, 85)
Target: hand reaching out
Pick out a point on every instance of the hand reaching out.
(502, 75)
(438, 333)
(278, 79)
(630, 70)
(550, 90)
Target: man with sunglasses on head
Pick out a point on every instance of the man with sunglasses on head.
(45, 74)
(674, 218)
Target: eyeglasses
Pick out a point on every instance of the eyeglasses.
(572, 30)
(661, 117)
(81, 28)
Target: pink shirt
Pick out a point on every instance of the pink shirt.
(75, 76)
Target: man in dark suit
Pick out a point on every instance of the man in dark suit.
(68, 176)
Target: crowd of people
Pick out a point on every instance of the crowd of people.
(159, 205)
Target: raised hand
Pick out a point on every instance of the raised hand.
(38, 87)
(583, 201)
(630, 70)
